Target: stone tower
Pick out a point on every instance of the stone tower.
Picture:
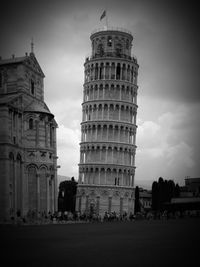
(108, 128)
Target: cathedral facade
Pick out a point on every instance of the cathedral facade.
(108, 128)
(28, 157)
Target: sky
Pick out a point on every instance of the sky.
(166, 44)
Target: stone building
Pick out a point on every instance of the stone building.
(145, 200)
(109, 108)
(28, 161)
(193, 185)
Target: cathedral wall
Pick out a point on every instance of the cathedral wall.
(11, 79)
(22, 77)
(42, 131)
(12, 182)
(4, 188)
(4, 121)
(28, 160)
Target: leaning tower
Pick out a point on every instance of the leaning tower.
(108, 128)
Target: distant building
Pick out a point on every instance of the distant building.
(184, 204)
(191, 188)
(193, 185)
(28, 159)
(145, 198)
(189, 196)
(107, 148)
(184, 192)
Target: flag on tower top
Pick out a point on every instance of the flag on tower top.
(103, 15)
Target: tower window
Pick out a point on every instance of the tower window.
(32, 87)
(118, 71)
(100, 50)
(30, 126)
(1, 79)
(14, 120)
(14, 140)
(51, 135)
(118, 49)
(109, 43)
(127, 44)
(96, 72)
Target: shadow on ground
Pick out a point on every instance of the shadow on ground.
(139, 243)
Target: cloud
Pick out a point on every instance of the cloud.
(180, 156)
(68, 150)
(68, 137)
(67, 112)
(166, 43)
(165, 147)
(146, 134)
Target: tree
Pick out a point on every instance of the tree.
(137, 199)
(171, 190)
(155, 196)
(60, 199)
(67, 195)
(162, 192)
(177, 191)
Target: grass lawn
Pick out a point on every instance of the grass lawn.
(139, 243)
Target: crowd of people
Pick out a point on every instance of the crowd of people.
(34, 217)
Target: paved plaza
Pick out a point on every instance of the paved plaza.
(173, 242)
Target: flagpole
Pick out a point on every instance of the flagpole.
(106, 19)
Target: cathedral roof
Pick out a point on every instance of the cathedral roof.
(38, 107)
(28, 60)
(34, 105)
(12, 60)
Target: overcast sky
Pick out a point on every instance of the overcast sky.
(166, 44)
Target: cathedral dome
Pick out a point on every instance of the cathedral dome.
(38, 107)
